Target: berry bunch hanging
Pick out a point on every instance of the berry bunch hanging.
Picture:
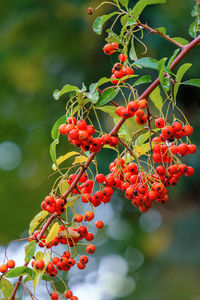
(151, 138)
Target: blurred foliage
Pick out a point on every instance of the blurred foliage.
(46, 44)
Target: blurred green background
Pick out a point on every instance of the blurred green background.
(46, 44)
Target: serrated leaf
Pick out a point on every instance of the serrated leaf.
(180, 40)
(156, 98)
(66, 89)
(80, 159)
(124, 3)
(19, 271)
(6, 287)
(55, 132)
(132, 52)
(173, 57)
(161, 29)
(180, 73)
(148, 62)
(30, 249)
(194, 82)
(39, 273)
(53, 233)
(37, 220)
(108, 95)
(140, 6)
(142, 80)
(109, 110)
(99, 22)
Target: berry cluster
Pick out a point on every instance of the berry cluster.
(67, 294)
(52, 205)
(134, 108)
(80, 135)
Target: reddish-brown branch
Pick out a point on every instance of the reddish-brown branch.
(113, 132)
(127, 147)
(166, 37)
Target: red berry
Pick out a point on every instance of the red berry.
(187, 130)
(11, 263)
(54, 296)
(3, 268)
(159, 122)
(39, 264)
(99, 224)
(90, 249)
(122, 57)
(68, 294)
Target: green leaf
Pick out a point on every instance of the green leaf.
(94, 94)
(109, 110)
(108, 95)
(6, 287)
(180, 73)
(30, 249)
(39, 273)
(173, 57)
(128, 129)
(124, 19)
(99, 22)
(156, 98)
(124, 3)
(193, 29)
(180, 40)
(52, 150)
(194, 82)
(53, 233)
(27, 278)
(166, 83)
(142, 80)
(132, 52)
(55, 132)
(19, 271)
(113, 37)
(37, 220)
(148, 62)
(130, 22)
(140, 6)
(66, 89)
(161, 65)
(161, 30)
(63, 186)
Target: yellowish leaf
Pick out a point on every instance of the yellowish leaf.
(80, 159)
(53, 233)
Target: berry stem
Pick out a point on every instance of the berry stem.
(145, 26)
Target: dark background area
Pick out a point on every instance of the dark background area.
(46, 44)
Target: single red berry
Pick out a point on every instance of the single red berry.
(113, 142)
(68, 294)
(189, 172)
(187, 130)
(78, 218)
(90, 249)
(81, 266)
(128, 71)
(54, 296)
(84, 259)
(39, 264)
(122, 57)
(143, 103)
(89, 216)
(99, 224)
(11, 263)
(3, 268)
(159, 122)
